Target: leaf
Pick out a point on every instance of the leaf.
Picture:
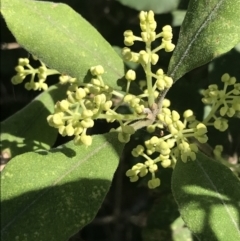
(61, 38)
(163, 6)
(51, 195)
(208, 196)
(28, 129)
(210, 29)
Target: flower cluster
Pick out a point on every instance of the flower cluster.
(87, 102)
(24, 69)
(74, 115)
(167, 149)
(148, 56)
(223, 103)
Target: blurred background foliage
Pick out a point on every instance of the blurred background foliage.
(132, 212)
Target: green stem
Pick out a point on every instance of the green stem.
(149, 77)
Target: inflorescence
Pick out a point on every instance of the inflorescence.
(87, 102)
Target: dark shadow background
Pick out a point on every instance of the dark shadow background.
(129, 208)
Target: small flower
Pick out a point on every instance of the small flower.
(155, 182)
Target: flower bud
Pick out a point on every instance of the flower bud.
(130, 75)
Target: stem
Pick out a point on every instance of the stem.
(149, 77)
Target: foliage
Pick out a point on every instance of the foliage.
(70, 182)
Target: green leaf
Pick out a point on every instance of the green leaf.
(210, 29)
(28, 129)
(208, 196)
(61, 38)
(51, 195)
(163, 6)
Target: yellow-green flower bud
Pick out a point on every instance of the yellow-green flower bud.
(154, 58)
(218, 151)
(23, 61)
(167, 36)
(202, 139)
(134, 179)
(232, 81)
(150, 16)
(201, 129)
(160, 84)
(143, 171)
(80, 94)
(152, 36)
(63, 105)
(63, 79)
(225, 77)
(149, 163)
(231, 112)
(153, 26)
(57, 119)
(62, 130)
(192, 155)
(166, 163)
(97, 70)
(144, 57)
(151, 128)
(168, 120)
(78, 130)
(180, 126)
(169, 47)
(86, 140)
(168, 81)
(143, 16)
(159, 72)
(19, 69)
(138, 151)
(153, 168)
(107, 105)
(166, 111)
(139, 109)
(187, 114)
(184, 146)
(87, 123)
(173, 129)
(193, 147)
(130, 75)
(154, 140)
(166, 103)
(163, 145)
(129, 41)
(171, 142)
(221, 124)
(130, 173)
(167, 28)
(96, 82)
(128, 98)
(223, 110)
(87, 113)
(42, 70)
(154, 183)
(151, 150)
(175, 115)
(184, 157)
(135, 101)
(69, 130)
